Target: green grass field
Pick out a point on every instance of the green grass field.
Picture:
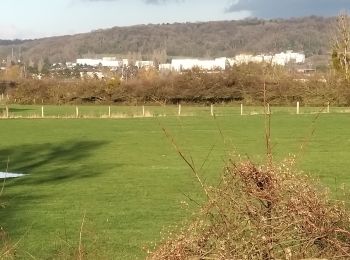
(90, 111)
(128, 180)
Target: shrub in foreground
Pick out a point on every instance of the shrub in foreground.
(263, 212)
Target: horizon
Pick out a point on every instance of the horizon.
(70, 17)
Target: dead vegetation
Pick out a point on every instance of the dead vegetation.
(263, 212)
(240, 84)
(270, 211)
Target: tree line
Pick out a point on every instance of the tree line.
(243, 84)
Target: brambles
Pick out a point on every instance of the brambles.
(263, 212)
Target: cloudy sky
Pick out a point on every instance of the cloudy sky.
(41, 18)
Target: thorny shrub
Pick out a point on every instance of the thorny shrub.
(263, 212)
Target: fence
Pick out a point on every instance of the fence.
(51, 111)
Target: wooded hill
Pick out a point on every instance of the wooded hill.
(206, 39)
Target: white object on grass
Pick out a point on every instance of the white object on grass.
(7, 175)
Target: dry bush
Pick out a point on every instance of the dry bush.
(263, 212)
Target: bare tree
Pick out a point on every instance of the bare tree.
(341, 45)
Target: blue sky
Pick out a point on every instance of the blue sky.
(40, 18)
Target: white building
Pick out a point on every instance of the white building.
(268, 58)
(281, 59)
(89, 62)
(71, 65)
(144, 64)
(296, 57)
(258, 58)
(125, 62)
(248, 58)
(220, 63)
(110, 62)
(284, 58)
(165, 66)
(231, 61)
(188, 64)
(183, 64)
(243, 58)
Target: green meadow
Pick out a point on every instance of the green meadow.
(124, 181)
(103, 111)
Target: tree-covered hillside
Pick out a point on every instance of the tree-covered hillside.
(205, 39)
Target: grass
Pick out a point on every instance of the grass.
(125, 177)
(90, 111)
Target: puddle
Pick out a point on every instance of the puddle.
(7, 175)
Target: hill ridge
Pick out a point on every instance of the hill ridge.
(161, 41)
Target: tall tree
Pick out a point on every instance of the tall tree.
(341, 46)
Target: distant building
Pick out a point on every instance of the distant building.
(144, 64)
(110, 62)
(268, 58)
(188, 64)
(71, 65)
(89, 62)
(231, 61)
(125, 62)
(243, 58)
(281, 59)
(183, 64)
(284, 58)
(296, 57)
(165, 67)
(220, 63)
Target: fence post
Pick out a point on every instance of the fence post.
(143, 111)
(7, 112)
(212, 110)
(268, 108)
(42, 111)
(179, 110)
(76, 111)
(109, 112)
(2, 96)
(298, 108)
(241, 109)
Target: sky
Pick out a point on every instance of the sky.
(28, 19)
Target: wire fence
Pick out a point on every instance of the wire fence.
(96, 111)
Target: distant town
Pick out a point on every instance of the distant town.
(110, 67)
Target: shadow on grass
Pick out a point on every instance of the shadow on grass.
(17, 110)
(45, 163)
(48, 166)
